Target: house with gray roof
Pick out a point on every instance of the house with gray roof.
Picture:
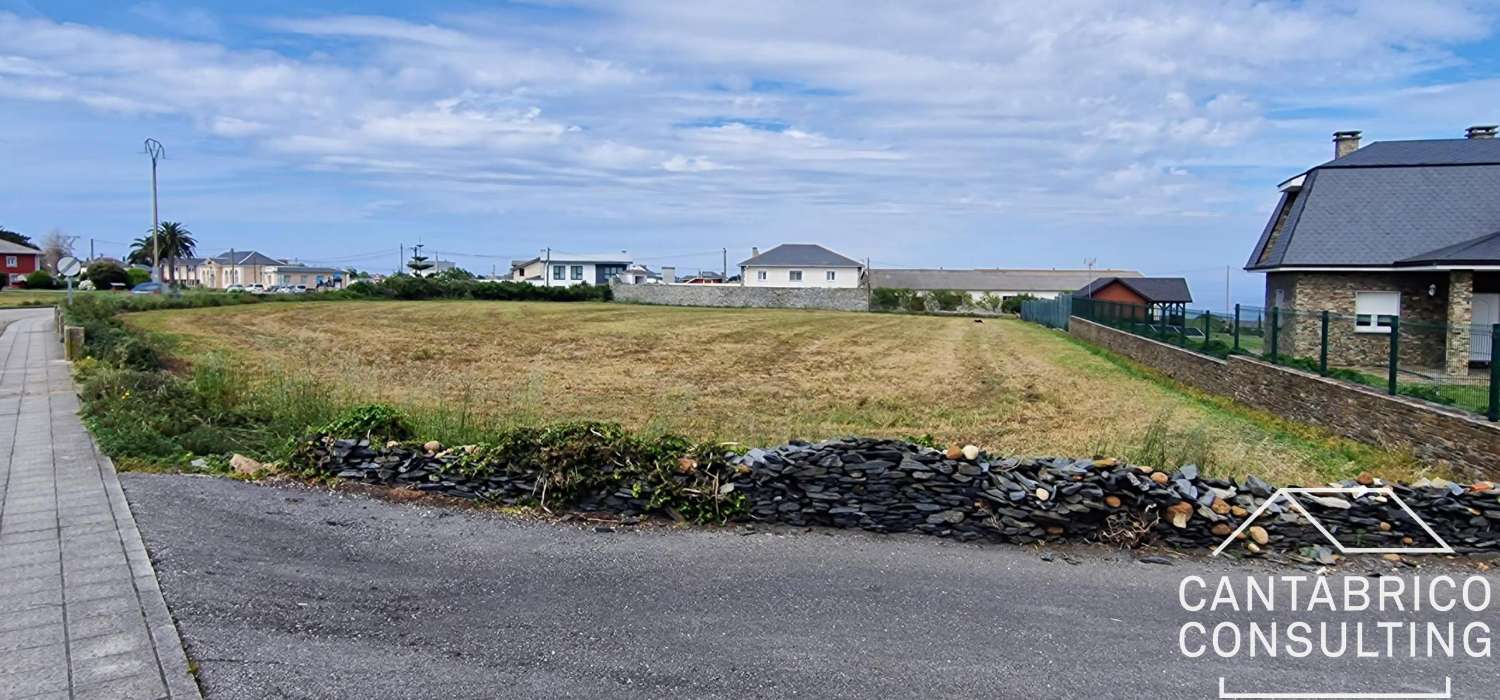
(1406, 230)
(800, 265)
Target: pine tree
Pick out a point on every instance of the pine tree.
(418, 263)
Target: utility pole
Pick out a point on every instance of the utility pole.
(1226, 289)
(157, 152)
(547, 270)
(1090, 262)
(91, 250)
(725, 278)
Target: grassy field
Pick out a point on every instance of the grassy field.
(761, 377)
(14, 298)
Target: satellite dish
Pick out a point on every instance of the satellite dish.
(69, 266)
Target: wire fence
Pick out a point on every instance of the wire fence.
(1449, 364)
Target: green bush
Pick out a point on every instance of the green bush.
(889, 298)
(1012, 305)
(576, 464)
(947, 299)
(990, 301)
(135, 276)
(40, 280)
(105, 275)
(376, 422)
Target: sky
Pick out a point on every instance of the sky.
(1143, 135)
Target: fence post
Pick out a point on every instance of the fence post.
(1208, 319)
(1494, 372)
(1390, 381)
(1323, 347)
(73, 343)
(1236, 327)
(1275, 336)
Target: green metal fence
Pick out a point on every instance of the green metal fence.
(1446, 364)
(1052, 313)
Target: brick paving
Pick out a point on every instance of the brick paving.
(81, 614)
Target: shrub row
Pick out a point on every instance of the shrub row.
(409, 288)
(895, 299)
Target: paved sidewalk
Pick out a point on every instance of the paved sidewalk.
(81, 615)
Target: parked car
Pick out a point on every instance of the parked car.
(149, 288)
(233, 288)
(256, 289)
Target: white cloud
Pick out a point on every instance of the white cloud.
(1049, 112)
(683, 164)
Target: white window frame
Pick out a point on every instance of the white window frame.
(794, 275)
(1373, 309)
(760, 274)
(559, 273)
(12, 261)
(575, 272)
(832, 276)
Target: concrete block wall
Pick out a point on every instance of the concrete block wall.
(1434, 434)
(736, 296)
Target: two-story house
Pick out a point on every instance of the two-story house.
(557, 269)
(1405, 230)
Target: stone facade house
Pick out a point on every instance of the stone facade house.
(1406, 230)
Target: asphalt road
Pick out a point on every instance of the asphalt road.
(290, 592)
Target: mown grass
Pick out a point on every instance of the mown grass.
(464, 368)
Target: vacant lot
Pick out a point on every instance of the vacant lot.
(758, 376)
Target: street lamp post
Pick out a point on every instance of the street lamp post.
(157, 152)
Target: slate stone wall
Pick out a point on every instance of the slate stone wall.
(895, 486)
(736, 296)
(1435, 434)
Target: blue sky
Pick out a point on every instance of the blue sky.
(994, 134)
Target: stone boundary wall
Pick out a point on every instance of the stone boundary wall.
(737, 296)
(1435, 434)
(894, 486)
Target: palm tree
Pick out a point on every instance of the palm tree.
(174, 240)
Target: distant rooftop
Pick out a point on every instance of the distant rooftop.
(990, 280)
(801, 255)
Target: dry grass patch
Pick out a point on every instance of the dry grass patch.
(761, 377)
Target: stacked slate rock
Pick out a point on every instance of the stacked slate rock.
(894, 486)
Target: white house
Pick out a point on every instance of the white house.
(639, 274)
(800, 265)
(567, 269)
(1042, 284)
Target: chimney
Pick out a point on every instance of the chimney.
(1345, 142)
(1481, 132)
(668, 274)
(754, 251)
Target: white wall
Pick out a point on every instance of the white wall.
(811, 276)
(541, 268)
